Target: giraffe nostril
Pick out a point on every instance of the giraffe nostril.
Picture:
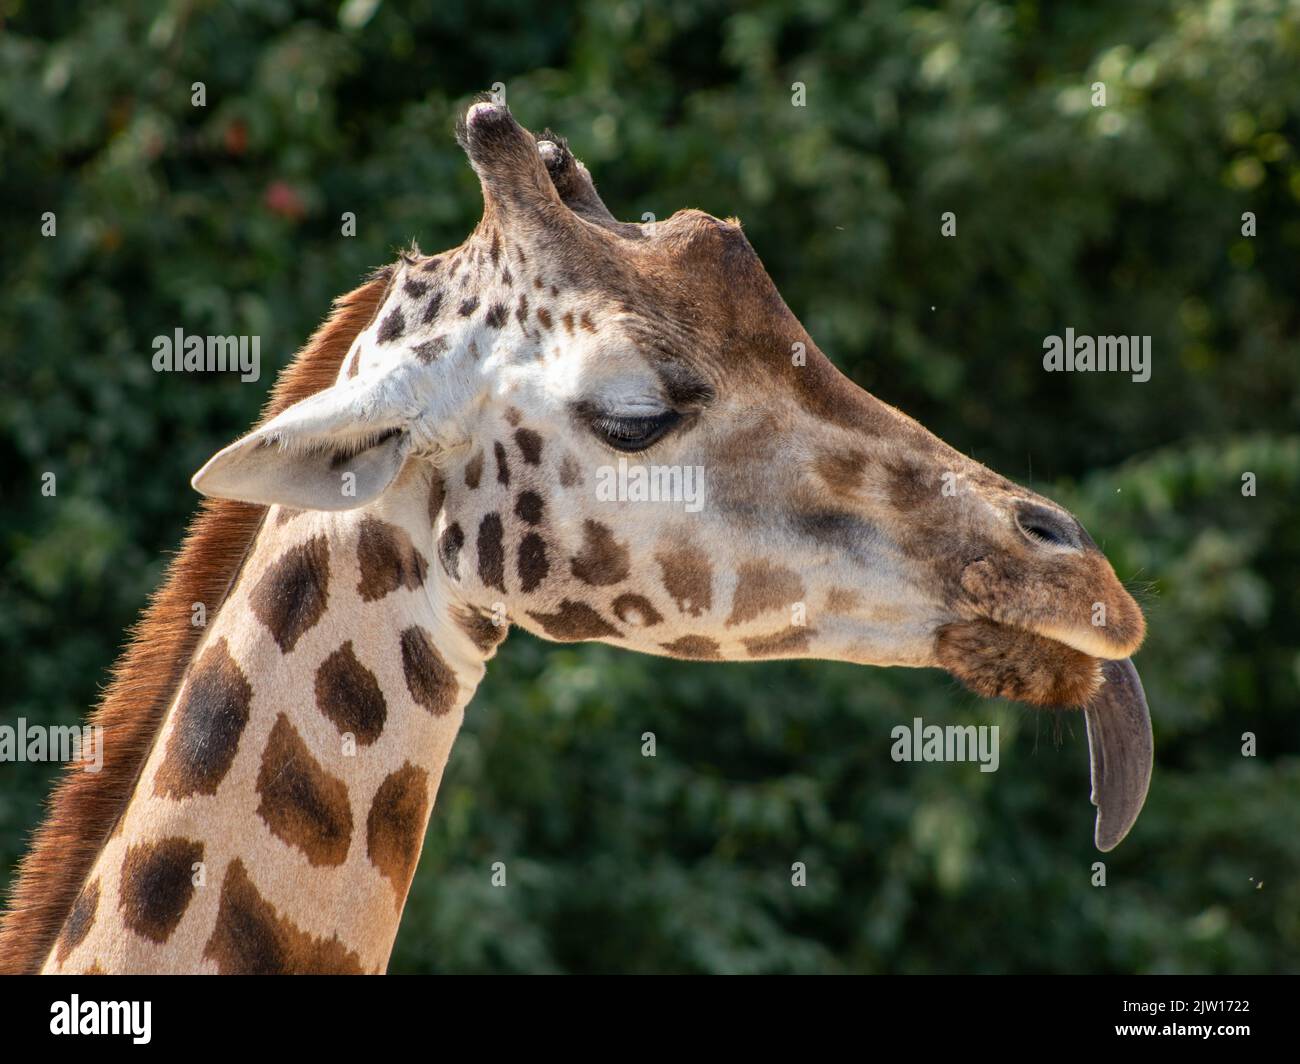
(1041, 525)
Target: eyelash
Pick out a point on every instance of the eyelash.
(632, 434)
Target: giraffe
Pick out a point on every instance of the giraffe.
(427, 474)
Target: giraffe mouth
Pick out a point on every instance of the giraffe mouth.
(1001, 661)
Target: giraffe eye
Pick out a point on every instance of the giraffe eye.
(633, 433)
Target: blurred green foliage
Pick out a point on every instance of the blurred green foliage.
(1118, 219)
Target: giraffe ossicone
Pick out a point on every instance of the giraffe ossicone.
(430, 468)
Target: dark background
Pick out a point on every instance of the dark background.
(1121, 219)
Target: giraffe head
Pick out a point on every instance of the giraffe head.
(637, 442)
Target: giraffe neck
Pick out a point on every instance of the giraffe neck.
(279, 817)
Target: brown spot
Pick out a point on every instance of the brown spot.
(568, 322)
(95, 969)
(449, 545)
(474, 470)
(432, 308)
(602, 560)
(834, 528)
(415, 288)
(544, 316)
(428, 677)
(513, 416)
(428, 350)
(291, 595)
(155, 885)
(841, 472)
(842, 600)
(80, 920)
(530, 445)
(693, 647)
(491, 552)
(521, 311)
(468, 306)
(392, 327)
(586, 322)
(210, 718)
(503, 467)
(637, 611)
(762, 587)
(570, 472)
(395, 826)
(387, 559)
(573, 622)
(354, 364)
(432, 265)
(251, 938)
(782, 644)
(285, 514)
(437, 495)
(688, 578)
(349, 695)
(533, 565)
(482, 630)
(495, 316)
(998, 661)
(916, 493)
(529, 507)
(301, 803)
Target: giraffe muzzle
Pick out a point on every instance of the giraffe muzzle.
(999, 661)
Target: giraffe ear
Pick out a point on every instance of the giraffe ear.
(336, 450)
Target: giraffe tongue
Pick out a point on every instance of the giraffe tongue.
(1120, 746)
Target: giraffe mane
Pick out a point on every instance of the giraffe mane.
(85, 806)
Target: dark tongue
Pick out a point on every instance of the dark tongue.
(1121, 749)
